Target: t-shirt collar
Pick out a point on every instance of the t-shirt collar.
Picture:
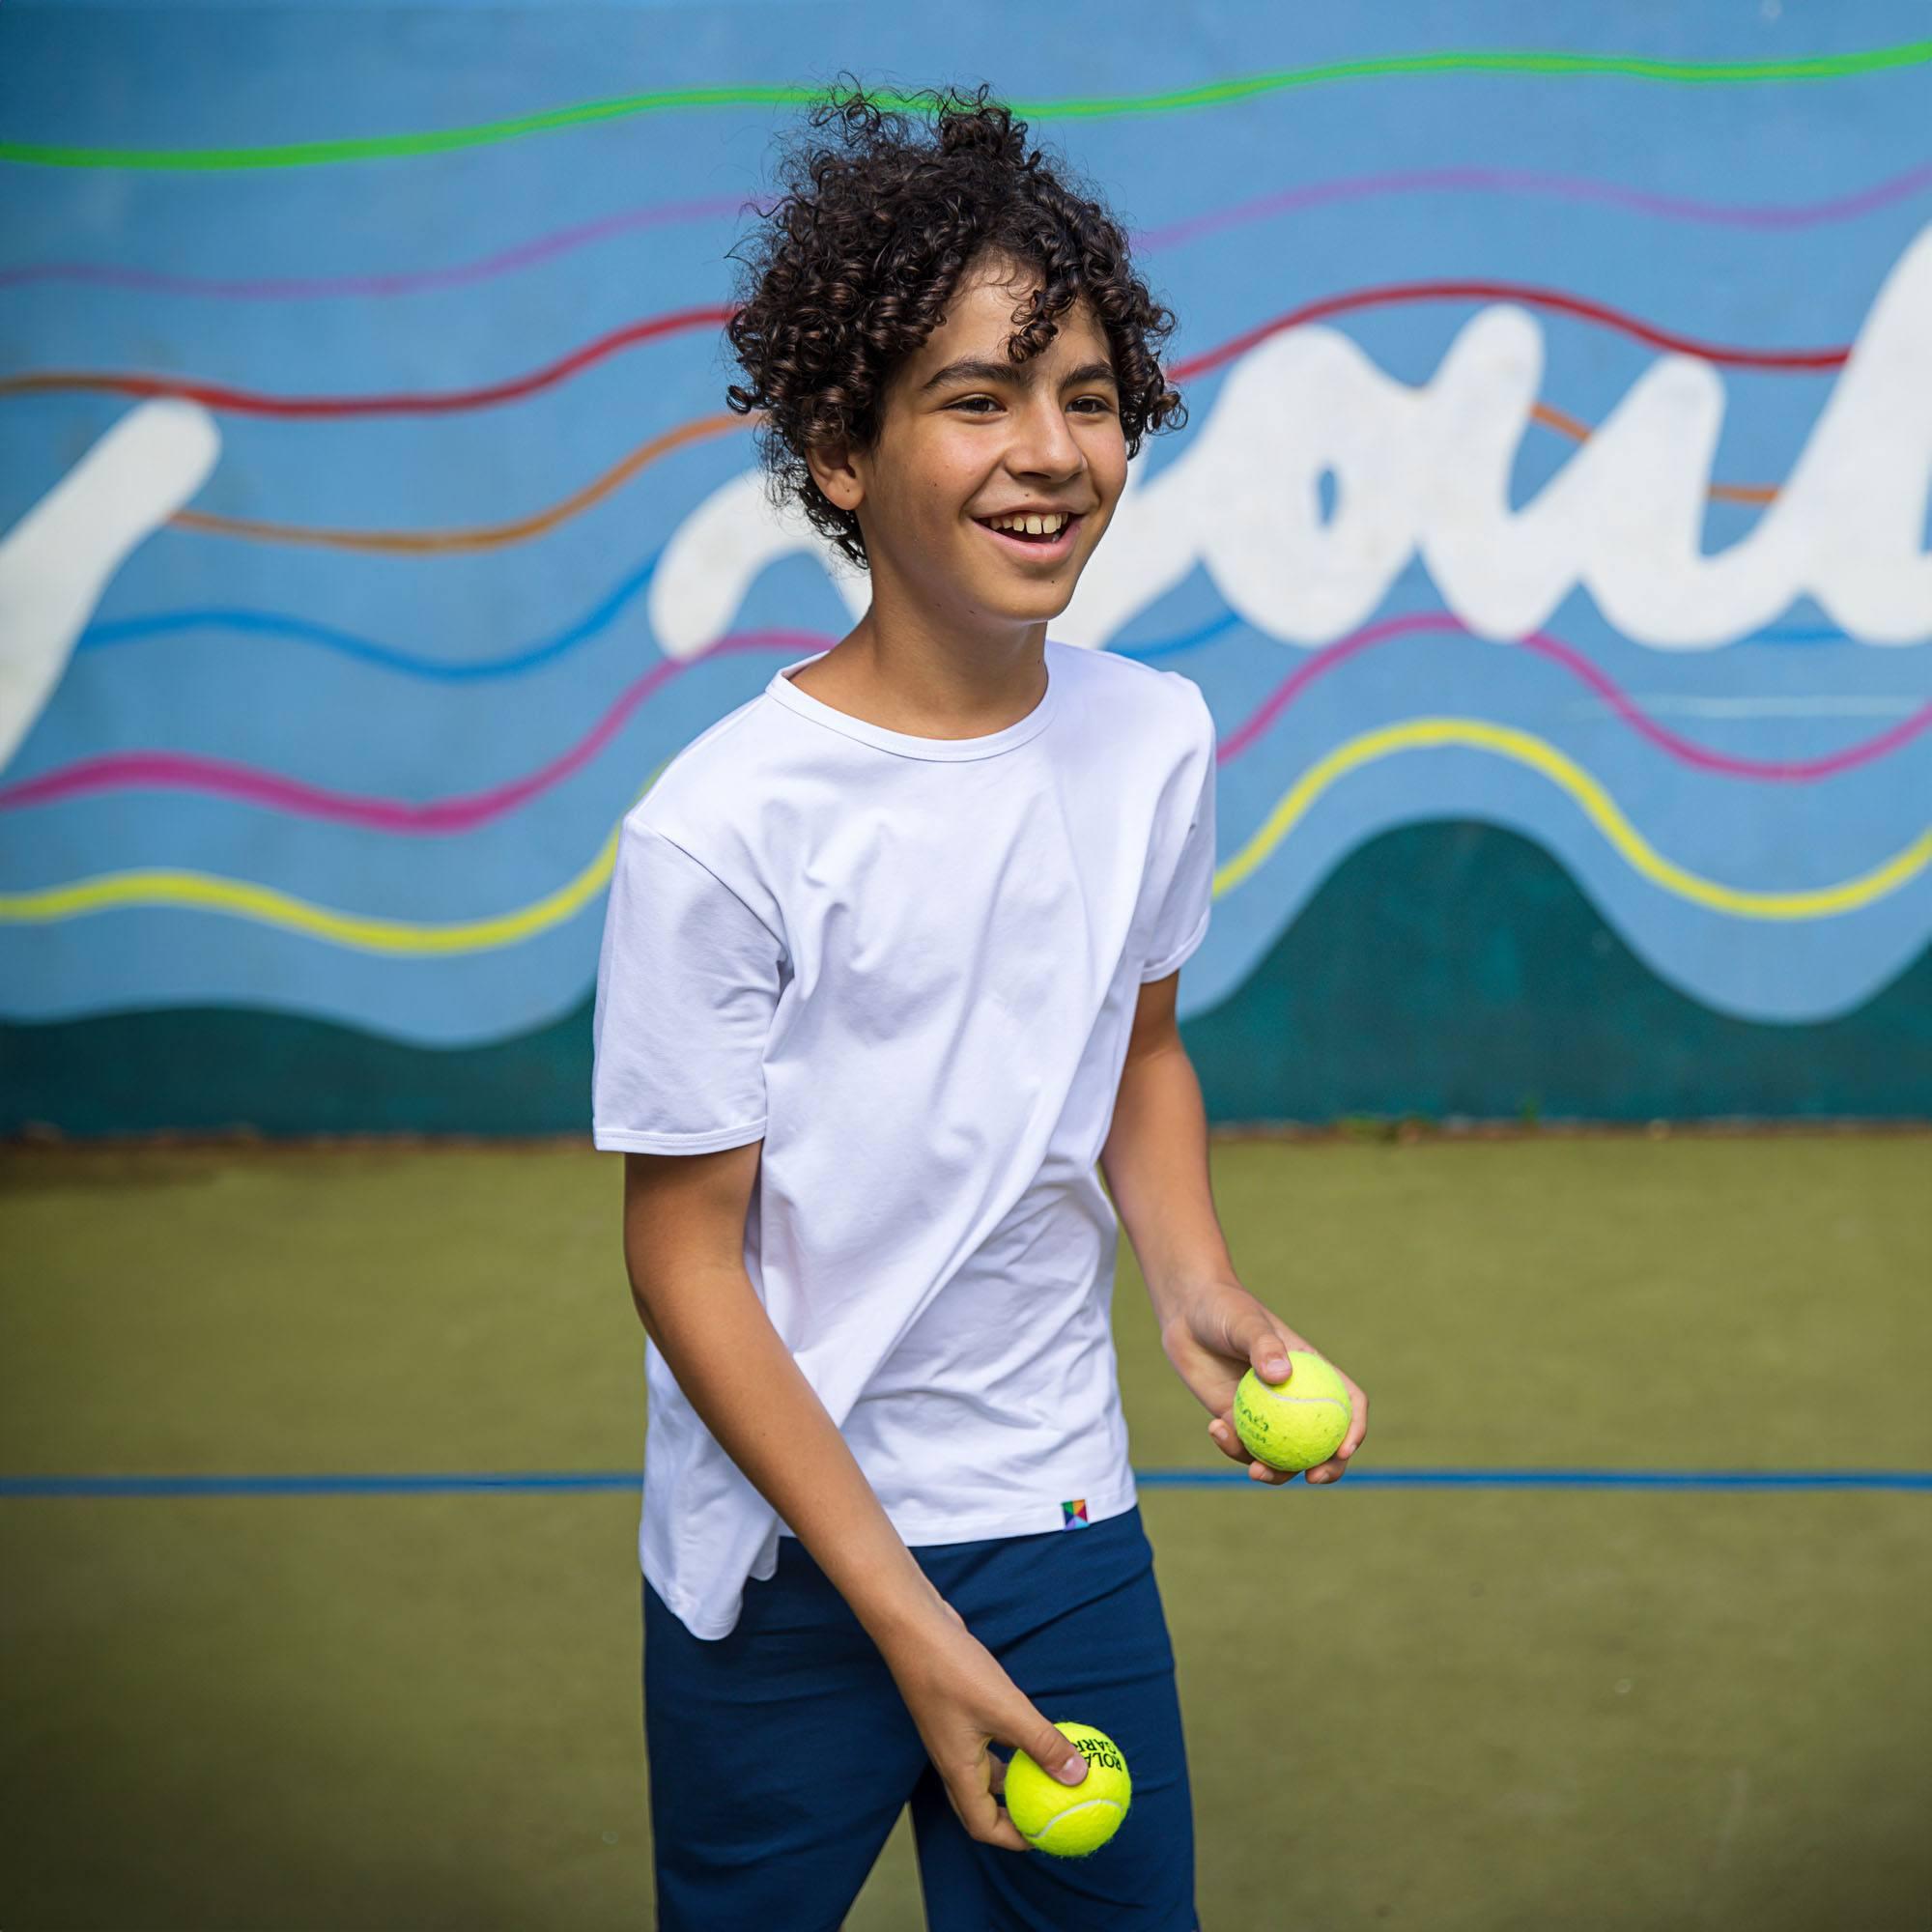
(904, 742)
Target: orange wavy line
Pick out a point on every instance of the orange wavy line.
(1721, 493)
(493, 536)
(489, 536)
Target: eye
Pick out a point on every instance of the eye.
(1101, 407)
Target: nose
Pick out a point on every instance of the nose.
(1044, 442)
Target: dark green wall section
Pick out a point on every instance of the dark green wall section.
(1443, 969)
(1455, 968)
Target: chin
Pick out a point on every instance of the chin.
(1047, 600)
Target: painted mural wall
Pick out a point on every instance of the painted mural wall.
(1549, 534)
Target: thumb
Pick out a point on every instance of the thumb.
(1268, 1355)
(1054, 1752)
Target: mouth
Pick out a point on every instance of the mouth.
(1037, 549)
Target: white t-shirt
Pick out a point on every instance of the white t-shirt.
(910, 965)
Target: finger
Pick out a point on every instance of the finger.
(1358, 1422)
(1330, 1471)
(1227, 1438)
(979, 1812)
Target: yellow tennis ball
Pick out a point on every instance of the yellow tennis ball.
(1070, 1820)
(1297, 1423)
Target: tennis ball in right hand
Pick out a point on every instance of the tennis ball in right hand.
(1295, 1423)
(1070, 1820)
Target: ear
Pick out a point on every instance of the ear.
(836, 474)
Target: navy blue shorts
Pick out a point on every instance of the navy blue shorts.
(781, 1755)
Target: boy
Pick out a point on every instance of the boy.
(890, 962)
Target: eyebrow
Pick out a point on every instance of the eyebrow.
(975, 369)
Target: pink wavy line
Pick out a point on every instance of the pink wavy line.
(170, 771)
(1565, 187)
(298, 288)
(1287, 200)
(1792, 771)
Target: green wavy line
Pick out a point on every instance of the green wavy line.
(1213, 93)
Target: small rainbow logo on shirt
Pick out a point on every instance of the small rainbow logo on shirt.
(1074, 1513)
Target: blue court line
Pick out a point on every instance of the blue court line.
(436, 1482)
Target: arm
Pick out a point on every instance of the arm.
(1156, 1159)
(1156, 1163)
(684, 1230)
(684, 1226)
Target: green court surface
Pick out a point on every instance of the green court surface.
(1446, 1708)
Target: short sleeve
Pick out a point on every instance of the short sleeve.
(1182, 921)
(687, 980)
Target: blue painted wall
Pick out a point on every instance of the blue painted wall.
(374, 531)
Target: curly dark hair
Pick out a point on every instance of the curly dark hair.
(855, 262)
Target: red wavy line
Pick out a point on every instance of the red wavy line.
(250, 402)
(1556, 299)
(177, 771)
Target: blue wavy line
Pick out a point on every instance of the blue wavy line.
(387, 657)
(1193, 640)
(296, 630)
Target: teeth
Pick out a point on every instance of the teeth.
(1035, 526)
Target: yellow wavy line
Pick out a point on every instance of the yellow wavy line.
(269, 907)
(1421, 733)
(272, 908)
(401, 936)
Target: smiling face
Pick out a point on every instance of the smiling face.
(964, 434)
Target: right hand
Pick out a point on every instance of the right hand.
(961, 1700)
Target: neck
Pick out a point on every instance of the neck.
(932, 686)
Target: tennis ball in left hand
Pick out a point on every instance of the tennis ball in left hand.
(1295, 1423)
(1070, 1820)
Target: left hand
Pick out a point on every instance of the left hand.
(1218, 1335)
